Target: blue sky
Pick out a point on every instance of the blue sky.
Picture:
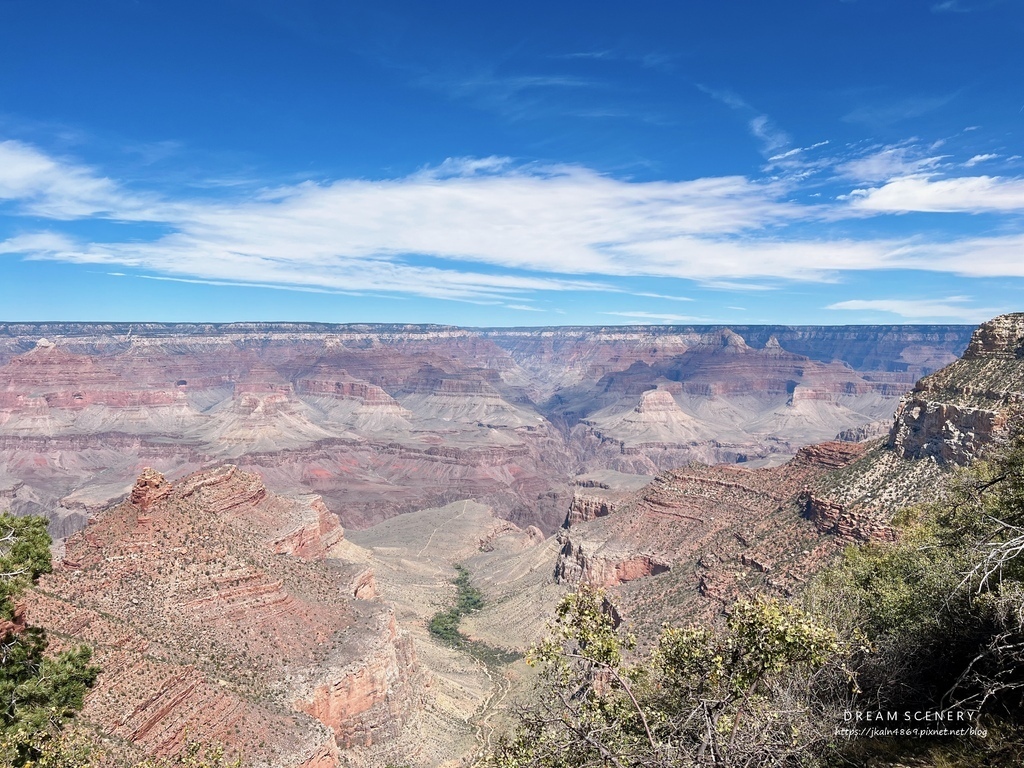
(809, 161)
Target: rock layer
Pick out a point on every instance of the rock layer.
(381, 420)
(954, 413)
(214, 608)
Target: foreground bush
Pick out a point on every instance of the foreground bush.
(750, 695)
(932, 622)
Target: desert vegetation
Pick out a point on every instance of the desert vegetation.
(931, 625)
(39, 692)
(444, 625)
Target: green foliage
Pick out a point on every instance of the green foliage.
(469, 598)
(50, 749)
(740, 696)
(194, 755)
(444, 625)
(38, 693)
(24, 556)
(942, 607)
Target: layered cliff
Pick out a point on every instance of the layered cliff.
(952, 414)
(218, 608)
(381, 420)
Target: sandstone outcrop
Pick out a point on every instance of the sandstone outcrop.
(366, 689)
(218, 608)
(381, 420)
(851, 525)
(585, 507)
(150, 488)
(604, 568)
(953, 414)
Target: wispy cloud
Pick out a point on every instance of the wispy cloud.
(950, 308)
(605, 53)
(492, 230)
(979, 159)
(888, 113)
(49, 187)
(761, 126)
(890, 162)
(662, 296)
(772, 137)
(663, 317)
(959, 6)
(651, 59)
(966, 194)
(513, 96)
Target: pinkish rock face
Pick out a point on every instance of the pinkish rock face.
(388, 419)
(230, 582)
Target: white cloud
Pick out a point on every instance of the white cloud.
(796, 151)
(771, 136)
(761, 126)
(44, 186)
(662, 296)
(975, 257)
(888, 163)
(950, 308)
(979, 159)
(37, 243)
(524, 307)
(660, 316)
(969, 194)
(489, 230)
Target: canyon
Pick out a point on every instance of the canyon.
(382, 420)
(258, 522)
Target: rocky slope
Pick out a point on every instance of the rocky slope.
(220, 609)
(698, 537)
(952, 414)
(381, 420)
(715, 531)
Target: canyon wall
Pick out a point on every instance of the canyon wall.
(385, 419)
(954, 413)
(220, 610)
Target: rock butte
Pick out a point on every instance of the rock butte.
(219, 605)
(218, 608)
(381, 420)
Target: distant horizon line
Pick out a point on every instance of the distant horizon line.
(267, 324)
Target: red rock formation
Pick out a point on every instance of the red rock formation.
(365, 701)
(215, 613)
(353, 412)
(852, 525)
(576, 565)
(150, 488)
(584, 508)
(832, 454)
